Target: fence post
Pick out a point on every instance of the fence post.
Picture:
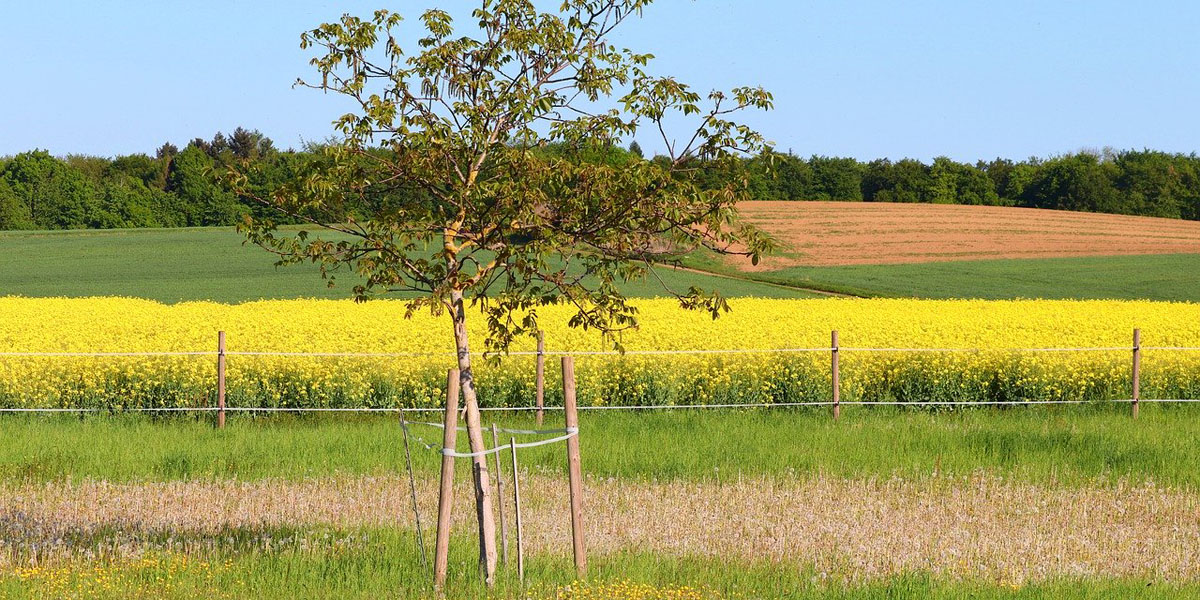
(446, 491)
(541, 377)
(574, 470)
(500, 497)
(1137, 370)
(516, 480)
(835, 376)
(220, 380)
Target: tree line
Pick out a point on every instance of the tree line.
(1133, 182)
(172, 188)
(183, 188)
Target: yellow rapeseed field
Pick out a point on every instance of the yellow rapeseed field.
(997, 372)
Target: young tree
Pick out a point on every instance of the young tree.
(434, 184)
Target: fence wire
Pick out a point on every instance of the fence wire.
(211, 353)
(397, 410)
(645, 407)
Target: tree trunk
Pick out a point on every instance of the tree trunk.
(483, 496)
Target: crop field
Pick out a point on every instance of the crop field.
(989, 352)
(953, 251)
(1022, 501)
(174, 265)
(854, 248)
(875, 233)
(1037, 501)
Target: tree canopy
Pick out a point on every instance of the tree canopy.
(440, 181)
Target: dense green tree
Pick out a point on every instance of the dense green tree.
(166, 152)
(835, 178)
(152, 172)
(57, 195)
(126, 201)
(250, 145)
(1079, 182)
(956, 183)
(1154, 183)
(14, 212)
(197, 191)
(792, 177)
(92, 167)
(906, 180)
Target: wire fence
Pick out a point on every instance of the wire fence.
(221, 354)
(211, 353)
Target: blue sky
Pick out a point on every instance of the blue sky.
(865, 79)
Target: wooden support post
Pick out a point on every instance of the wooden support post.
(836, 377)
(220, 380)
(574, 469)
(446, 491)
(541, 378)
(1137, 370)
(484, 515)
(500, 497)
(516, 480)
(412, 490)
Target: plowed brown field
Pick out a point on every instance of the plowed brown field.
(859, 233)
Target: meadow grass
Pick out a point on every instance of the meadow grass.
(1056, 445)
(384, 563)
(1169, 277)
(173, 265)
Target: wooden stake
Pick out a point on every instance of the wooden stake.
(446, 491)
(837, 391)
(500, 497)
(412, 489)
(1137, 370)
(574, 470)
(541, 378)
(484, 514)
(220, 380)
(516, 479)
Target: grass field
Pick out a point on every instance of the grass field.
(1061, 445)
(1168, 277)
(384, 564)
(780, 504)
(172, 265)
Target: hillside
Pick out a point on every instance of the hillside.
(954, 251)
(863, 249)
(876, 233)
(172, 265)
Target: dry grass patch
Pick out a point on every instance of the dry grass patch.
(860, 233)
(969, 527)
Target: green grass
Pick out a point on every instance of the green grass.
(1171, 277)
(1059, 446)
(172, 265)
(383, 563)
(1055, 445)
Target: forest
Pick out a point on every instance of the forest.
(185, 188)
